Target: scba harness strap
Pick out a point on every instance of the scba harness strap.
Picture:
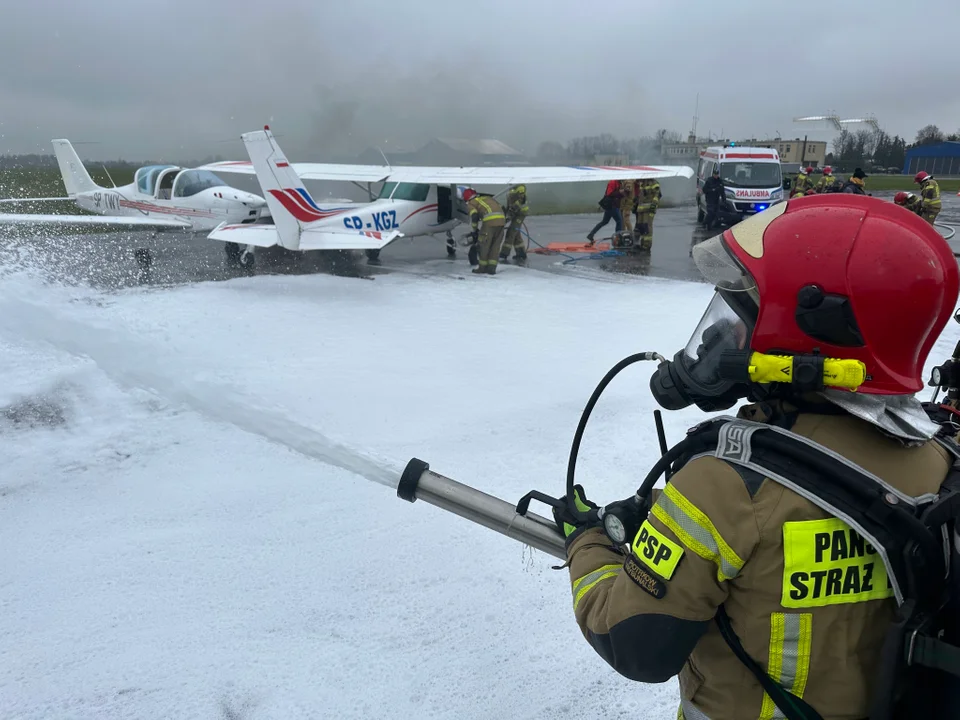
(915, 537)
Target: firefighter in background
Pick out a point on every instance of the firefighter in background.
(930, 196)
(855, 184)
(647, 203)
(908, 200)
(713, 538)
(627, 202)
(825, 184)
(715, 196)
(801, 182)
(610, 204)
(516, 211)
(486, 221)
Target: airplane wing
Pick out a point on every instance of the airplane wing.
(263, 235)
(30, 200)
(526, 174)
(24, 219)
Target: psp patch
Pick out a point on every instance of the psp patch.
(647, 581)
(656, 550)
(826, 562)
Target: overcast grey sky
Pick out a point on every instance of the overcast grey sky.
(172, 79)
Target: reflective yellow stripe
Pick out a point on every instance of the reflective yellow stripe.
(789, 663)
(582, 586)
(489, 214)
(696, 531)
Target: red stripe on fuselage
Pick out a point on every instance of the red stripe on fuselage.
(420, 210)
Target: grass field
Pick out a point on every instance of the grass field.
(46, 182)
(901, 182)
(905, 182)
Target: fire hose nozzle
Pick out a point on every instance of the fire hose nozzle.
(418, 482)
(410, 479)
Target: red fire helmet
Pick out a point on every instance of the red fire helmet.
(846, 276)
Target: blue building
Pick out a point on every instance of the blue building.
(940, 159)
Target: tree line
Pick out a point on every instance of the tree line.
(37, 160)
(877, 149)
(869, 149)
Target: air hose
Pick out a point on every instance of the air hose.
(585, 416)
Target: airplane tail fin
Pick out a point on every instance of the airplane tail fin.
(76, 179)
(288, 200)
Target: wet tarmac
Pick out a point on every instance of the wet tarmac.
(107, 260)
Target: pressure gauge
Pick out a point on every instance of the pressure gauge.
(614, 529)
(935, 377)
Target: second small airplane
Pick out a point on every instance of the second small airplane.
(161, 197)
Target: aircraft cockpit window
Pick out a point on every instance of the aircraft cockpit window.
(190, 182)
(404, 191)
(165, 184)
(146, 177)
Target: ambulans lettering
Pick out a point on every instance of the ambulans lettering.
(756, 194)
(825, 562)
(657, 551)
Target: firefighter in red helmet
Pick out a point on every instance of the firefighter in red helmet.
(908, 200)
(722, 539)
(486, 222)
(930, 196)
(825, 184)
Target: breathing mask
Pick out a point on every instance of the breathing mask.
(696, 374)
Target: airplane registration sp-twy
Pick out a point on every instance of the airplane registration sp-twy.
(413, 202)
(161, 197)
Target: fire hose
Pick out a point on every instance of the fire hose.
(620, 520)
(418, 482)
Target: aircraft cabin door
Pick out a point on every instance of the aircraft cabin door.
(460, 211)
(444, 203)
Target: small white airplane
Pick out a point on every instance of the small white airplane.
(413, 202)
(161, 197)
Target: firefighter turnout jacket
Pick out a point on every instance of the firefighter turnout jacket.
(930, 194)
(486, 210)
(806, 595)
(517, 202)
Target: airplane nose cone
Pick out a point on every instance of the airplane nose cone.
(253, 201)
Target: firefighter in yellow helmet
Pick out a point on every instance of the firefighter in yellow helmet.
(516, 212)
(930, 196)
(486, 221)
(648, 200)
(825, 184)
(801, 182)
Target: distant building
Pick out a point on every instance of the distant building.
(687, 153)
(804, 152)
(450, 152)
(940, 159)
(611, 160)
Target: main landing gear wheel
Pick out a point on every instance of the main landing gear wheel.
(233, 252)
(247, 260)
(144, 258)
(373, 257)
(451, 245)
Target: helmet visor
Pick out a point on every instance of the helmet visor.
(720, 329)
(719, 267)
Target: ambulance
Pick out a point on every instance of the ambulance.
(751, 177)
